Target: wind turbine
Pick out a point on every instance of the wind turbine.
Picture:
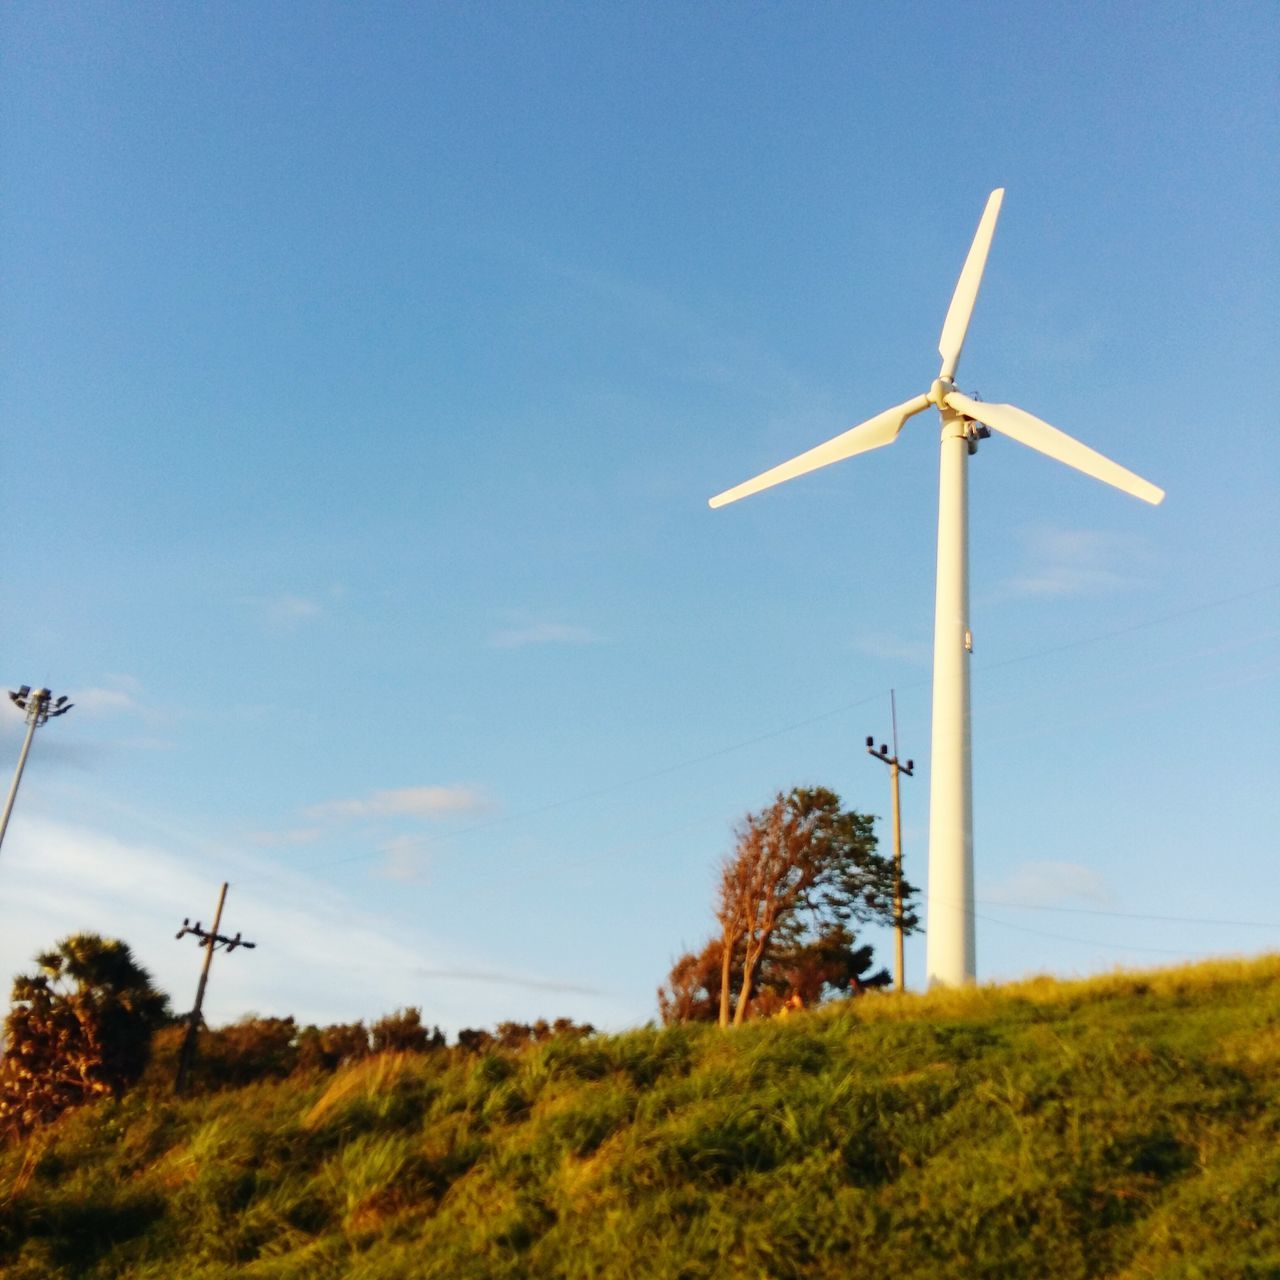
(950, 949)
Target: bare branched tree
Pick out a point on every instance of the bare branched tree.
(800, 868)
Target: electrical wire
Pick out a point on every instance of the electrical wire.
(1092, 942)
(1128, 630)
(583, 797)
(434, 840)
(1132, 915)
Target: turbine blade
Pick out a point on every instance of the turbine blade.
(881, 430)
(1021, 426)
(956, 324)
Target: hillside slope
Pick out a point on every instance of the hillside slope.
(1123, 1127)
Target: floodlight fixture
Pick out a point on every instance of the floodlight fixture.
(39, 706)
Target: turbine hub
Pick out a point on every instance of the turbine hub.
(941, 389)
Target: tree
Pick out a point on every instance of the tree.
(516, 1035)
(403, 1032)
(78, 1028)
(802, 872)
(830, 964)
(824, 966)
(474, 1040)
(692, 990)
(252, 1048)
(328, 1048)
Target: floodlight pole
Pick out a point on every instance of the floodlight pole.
(895, 768)
(39, 706)
(950, 949)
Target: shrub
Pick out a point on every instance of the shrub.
(328, 1048)
(79, 1028)
(403, 1032)
(252, 1049)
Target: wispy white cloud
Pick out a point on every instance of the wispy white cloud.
(1061, 340)
(885, 644)
(145, 742)
(1073, 562)
(118, 694)
(316, 957)
(414, 802)
(290, 838)
(119, 697)
(103, 702)
(1049, 884)
(290, 610)
(405, 860)
(539, 633)
(697, 344)
(508, 980)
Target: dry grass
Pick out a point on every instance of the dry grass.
(364, 1079)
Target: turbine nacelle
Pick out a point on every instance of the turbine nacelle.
(938, 393)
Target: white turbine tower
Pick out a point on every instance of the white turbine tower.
(950, 959)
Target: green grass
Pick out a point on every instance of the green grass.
(1124, 1127)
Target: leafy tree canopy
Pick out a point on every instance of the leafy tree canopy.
(79, 1027)
(803, 872)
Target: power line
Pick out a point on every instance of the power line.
(692, 761)
(1136, 626)
(1102, 942)
(1091, 942)
(1133, 915)
(582, 797)
(593, 857)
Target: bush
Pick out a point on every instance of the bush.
(79, 1028)
(250, 1050)
(403, 1032)
(328, 1048)
(1069, 1130)
(472, 1040)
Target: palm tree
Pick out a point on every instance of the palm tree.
(78, 1028)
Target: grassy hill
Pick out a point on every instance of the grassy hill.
(1120, 1127)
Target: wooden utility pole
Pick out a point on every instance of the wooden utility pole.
(210, 942)
(895, 768)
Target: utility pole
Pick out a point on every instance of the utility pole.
(210, 942)
(895, 768)
(40, 705)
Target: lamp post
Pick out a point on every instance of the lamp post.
(40, 705)
(895, 768)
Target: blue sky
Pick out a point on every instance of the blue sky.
(366, 370)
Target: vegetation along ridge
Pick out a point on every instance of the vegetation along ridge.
(1123, 1126)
